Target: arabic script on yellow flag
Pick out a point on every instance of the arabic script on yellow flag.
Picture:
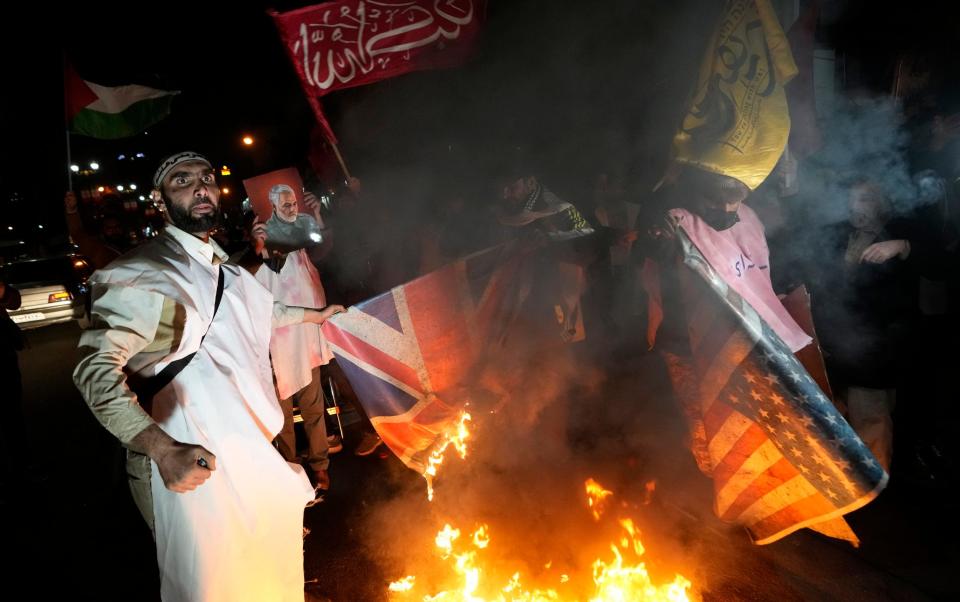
(737, 121)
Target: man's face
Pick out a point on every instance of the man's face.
(287, 206)
(192, 196)
(517, 191)
(713, 202)
(716, 206)
(864, 209)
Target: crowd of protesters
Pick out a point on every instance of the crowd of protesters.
(883, 283)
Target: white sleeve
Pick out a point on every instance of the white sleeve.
(285, 315)
(124, 321)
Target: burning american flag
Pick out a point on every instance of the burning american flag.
(781, 456)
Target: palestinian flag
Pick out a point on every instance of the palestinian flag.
(103, 112)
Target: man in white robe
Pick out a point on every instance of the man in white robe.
(225, 508)
(299, 350)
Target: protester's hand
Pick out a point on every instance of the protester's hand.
(331, 310)
(313, 204)
(880, 252)
(319, 316)
(660, 233)
(258, 236)
(70, 202)
(184, 467)
(354, 185)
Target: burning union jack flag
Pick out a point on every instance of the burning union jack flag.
(409, 352)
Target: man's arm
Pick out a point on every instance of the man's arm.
(89, 245)
(576, 226)
(318, 252)
(125, 321)
(285, 315)
(252, 258)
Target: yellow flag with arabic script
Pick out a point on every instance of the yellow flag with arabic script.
(737, 121)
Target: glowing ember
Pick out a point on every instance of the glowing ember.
(459, 442)
(650, 488)
(623, 578)
(596, 497)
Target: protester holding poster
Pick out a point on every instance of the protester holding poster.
(292, 219)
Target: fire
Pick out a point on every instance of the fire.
(402, 585)
(459, 442)
(621, 578)
(445, 539)
(617, 582)
(481, 538)
(596, 497)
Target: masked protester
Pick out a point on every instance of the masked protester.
(709, 208)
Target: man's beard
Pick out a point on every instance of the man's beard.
(182, 218)
(283, 218)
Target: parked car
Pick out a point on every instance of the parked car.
(52, 289)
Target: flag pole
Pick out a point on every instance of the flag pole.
(69, 163)
(328, 134)
(66, 118)
(343, 165)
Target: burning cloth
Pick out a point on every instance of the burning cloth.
(780, 454)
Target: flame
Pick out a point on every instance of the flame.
(623, 578)
(514, 583)
(596, 497)
(616, 582)
(459, 442)
(481, 538)
(445, 539)
(402, 585)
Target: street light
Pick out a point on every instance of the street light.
(74, 168)
(94, 166)
(248, 140)
(133, 187)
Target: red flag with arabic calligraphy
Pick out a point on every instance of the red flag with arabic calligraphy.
(349, 43)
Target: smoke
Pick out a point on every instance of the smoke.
(546, 417)
(583, 90)
(579, 91)
(865, 139)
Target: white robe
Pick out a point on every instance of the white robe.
(238, 536)
(298, 348)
